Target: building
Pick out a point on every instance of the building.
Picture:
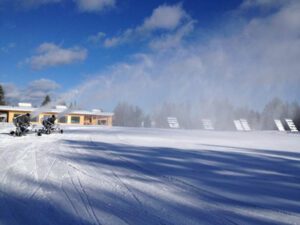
(64, 115)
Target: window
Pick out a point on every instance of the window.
(75, 119)
(102, 122)
(3, 117)
(15, 115)
(88, 120)
(62, 119)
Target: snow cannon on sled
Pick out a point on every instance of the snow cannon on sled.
(23, 130)
(49, 126)
(23, 127)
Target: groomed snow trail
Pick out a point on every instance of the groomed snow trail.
(94, 175)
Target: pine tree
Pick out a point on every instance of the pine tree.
(128, 115)
(2, 96)
(46, 100)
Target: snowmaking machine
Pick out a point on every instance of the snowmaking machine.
(49, 127)
(23, 126)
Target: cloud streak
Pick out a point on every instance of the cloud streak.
(94, 5)
(34, 93)
(90, 6)
(165, 18)
(49, 55)
(248, 4)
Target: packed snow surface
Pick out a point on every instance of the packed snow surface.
(97, 175)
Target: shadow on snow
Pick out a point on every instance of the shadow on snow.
(251, 180)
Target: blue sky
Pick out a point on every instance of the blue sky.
(24, 29)
(56, 46)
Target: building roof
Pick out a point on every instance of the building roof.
(57, 110)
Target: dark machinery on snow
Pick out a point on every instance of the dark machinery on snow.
(23, 127)
(49, 126)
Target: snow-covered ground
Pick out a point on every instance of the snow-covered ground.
(149, 176)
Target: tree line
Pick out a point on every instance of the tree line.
(222, 113)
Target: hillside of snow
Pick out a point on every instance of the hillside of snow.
(97, 175)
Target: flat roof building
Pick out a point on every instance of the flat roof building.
(63, 114)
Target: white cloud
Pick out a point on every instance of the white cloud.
(174, 39)
(97, 37)
(166, 18)
(94, 5)
(126, 36)
(11, 92)
(264, 3)
(114, 41)
(82, 5)
(34, 93)
(44, 85)
(49, 54)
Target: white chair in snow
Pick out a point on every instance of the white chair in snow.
(207, 124)
(291, 125)
(279, 125)
(245, 124)
(238, 125)
(173, 122)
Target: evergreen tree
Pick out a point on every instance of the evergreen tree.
(296, 115)
(2, 96)
(128, 115)
(275, 109)
(46, 100)
(147, 121)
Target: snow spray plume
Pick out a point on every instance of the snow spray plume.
(64, 112)
(202, 72)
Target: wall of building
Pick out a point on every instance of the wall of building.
(74, 119)
(110, 121)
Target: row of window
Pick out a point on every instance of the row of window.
(89, 120)
(74, 119)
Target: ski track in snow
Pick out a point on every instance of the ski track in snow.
(121, 185)
(82, 192)
(149, 176)
(176, 183)
(168, 181)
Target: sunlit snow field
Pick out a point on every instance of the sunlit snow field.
(97, 175)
